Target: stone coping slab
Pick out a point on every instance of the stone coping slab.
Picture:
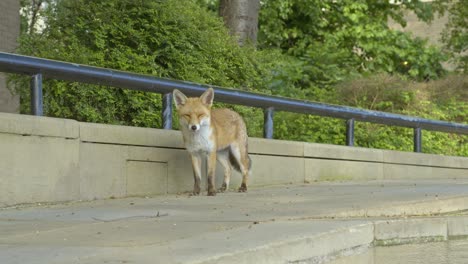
(27, 125)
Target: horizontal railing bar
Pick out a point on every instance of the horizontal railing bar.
(14, 63)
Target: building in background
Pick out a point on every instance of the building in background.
(9, 33)
(431, 31)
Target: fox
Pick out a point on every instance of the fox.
(215, 134)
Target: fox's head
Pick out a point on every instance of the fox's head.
(195, 112)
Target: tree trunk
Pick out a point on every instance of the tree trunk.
(241, 17)
(9, 32)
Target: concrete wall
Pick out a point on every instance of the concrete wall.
(9, 32)
(431, 31)
(418, 28)
(48, 160)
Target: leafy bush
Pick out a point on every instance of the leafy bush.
(174, 39)
(380, 92)
(443, 99)
(336, 37)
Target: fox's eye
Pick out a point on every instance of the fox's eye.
(201, 116)
(187, 116)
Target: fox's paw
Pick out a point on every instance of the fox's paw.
(196, 191)
(211, 192)
(223, 188)
(243, 188)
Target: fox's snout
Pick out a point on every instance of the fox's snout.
(194, 124)
(194, 127)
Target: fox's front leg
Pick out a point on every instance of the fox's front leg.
(211, 173)
(196, 164)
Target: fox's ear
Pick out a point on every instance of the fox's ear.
(179, 98)
(207, 97)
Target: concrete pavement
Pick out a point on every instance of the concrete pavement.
(308, 223)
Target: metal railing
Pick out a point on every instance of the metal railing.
(39, 68)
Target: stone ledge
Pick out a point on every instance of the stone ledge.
(424, 159)
(336, 152)
(27, 125)
(126, 135)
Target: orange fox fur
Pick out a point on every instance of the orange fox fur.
(217, 134)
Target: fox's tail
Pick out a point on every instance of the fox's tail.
(234, 162)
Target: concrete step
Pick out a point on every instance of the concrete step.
(313, 222)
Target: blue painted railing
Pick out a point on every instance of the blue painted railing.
(39, 68)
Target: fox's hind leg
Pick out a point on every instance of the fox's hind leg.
(223, 158)
(243, 160)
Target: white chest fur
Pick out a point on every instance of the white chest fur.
(199, 141)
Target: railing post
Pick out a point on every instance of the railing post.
(36, 95)
(167, 111)
(268, 122)
(417, 139)
(350, 132)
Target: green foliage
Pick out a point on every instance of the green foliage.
(384, 137)
(382, 92)
(309, 128)
(444, 99)
(338, 37)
